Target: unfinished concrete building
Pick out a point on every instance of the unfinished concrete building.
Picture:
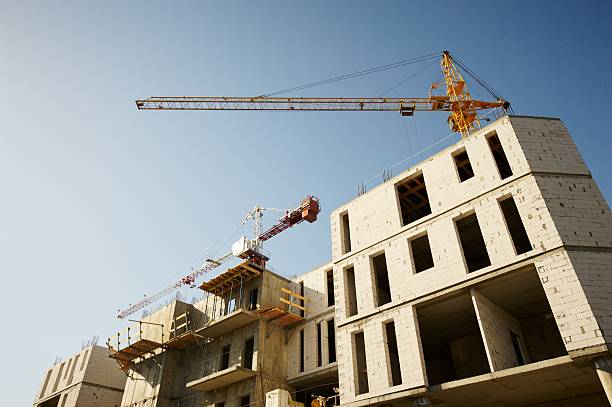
(220, 351)
(88, 378)
(478, 277)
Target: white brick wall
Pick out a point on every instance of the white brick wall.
(559, 205)
(495, 324)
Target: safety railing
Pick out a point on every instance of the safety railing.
(135, 333)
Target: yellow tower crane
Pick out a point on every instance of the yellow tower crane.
(451, 94)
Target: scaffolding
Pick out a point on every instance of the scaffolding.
(227, 307)
(135, 345)
(284, 313)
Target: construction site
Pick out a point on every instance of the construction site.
(479, 276)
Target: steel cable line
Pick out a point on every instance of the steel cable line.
(356, 74)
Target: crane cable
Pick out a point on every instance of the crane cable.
(408, 78)
(356, 74)
(477, 78)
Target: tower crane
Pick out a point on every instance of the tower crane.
(451, 94)
(244, 248)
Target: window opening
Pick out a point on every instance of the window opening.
(421, 254)
(331, 341)
(472, 243)
(464, 168)
(351, 292)
(225, 356)
(413, 199)
(319, 345)
(362, 368)
(330, 288)
(503, 166)
(249, 347)
(301, 350)
(393, 354)
(515, 226)
(345, 232)
(301, 299)
(381, 276)
(253, 299)
(517, 348)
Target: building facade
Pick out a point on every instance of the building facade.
(481, 276)
(86, 379)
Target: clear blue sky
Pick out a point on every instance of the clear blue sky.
(101, 203)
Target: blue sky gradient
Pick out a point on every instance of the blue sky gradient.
(101, 203)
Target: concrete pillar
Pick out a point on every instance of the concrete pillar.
(603, 367)
(280, 398)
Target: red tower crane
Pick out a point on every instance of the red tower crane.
(250, 249)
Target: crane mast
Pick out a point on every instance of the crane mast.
(455, 98)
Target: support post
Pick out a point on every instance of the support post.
(603, 367)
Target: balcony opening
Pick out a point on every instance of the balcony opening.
(249, 348)
(525, 330)
(351, 292)
(515, 225)
(462, 163)
(472, 243)
(450, 336)
(345, 233)
(359, 352)
(331, 341)
(319, 345)
(503, 166)
(245, 401)
(253, 299)
(422, 258)
(301, 351)
(381, 279)
(225, 357)
(330, 288)
(413, 199)
(395, 373)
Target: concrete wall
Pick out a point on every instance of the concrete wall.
(558, 203)
(89, 369)
(495, 327)
(315, 289)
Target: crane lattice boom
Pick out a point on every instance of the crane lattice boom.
(189, 279)
(307, 211)
(456, 99)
